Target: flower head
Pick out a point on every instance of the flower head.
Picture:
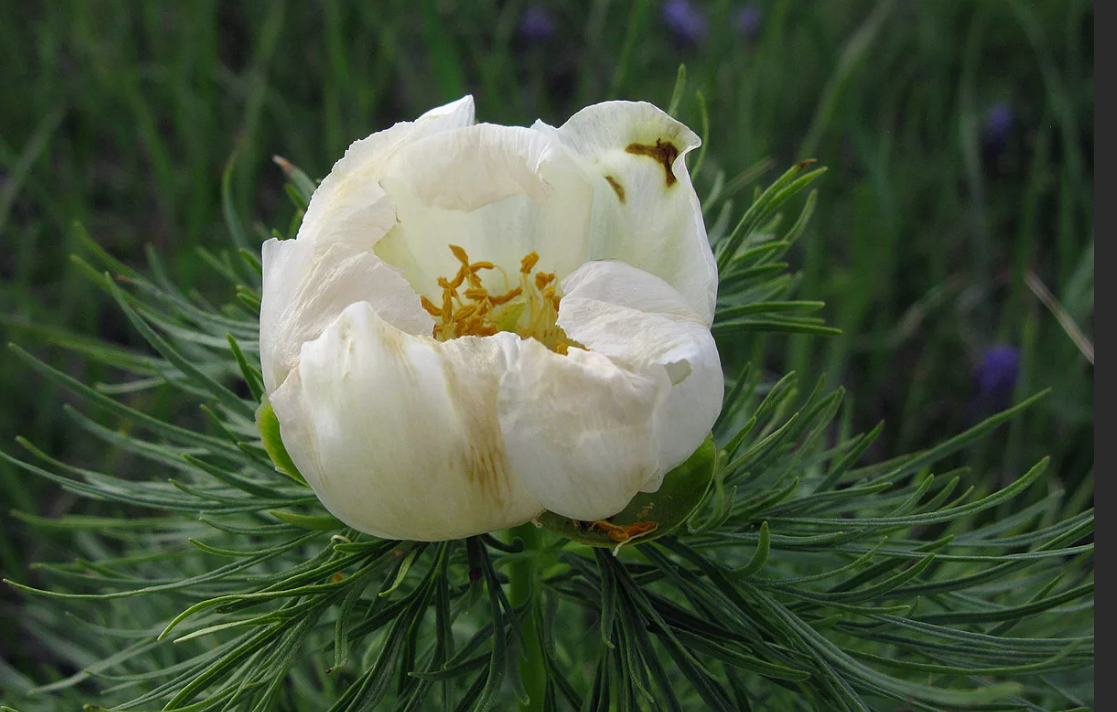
(998, 122)
(685, 21)
(996, 131)
(747, 20)
(478, 323)
(997, 371)
(535, 24)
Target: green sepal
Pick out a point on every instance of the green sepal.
(683, 489)
(268, 425)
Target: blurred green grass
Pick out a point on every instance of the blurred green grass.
(122, 116)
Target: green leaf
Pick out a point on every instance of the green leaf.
(268, 426)
(324, 523)
(303, 183)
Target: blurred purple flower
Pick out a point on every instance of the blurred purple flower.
(997, 372)
(686, 22)
(747, 20)
(998, 122)
(536, 24)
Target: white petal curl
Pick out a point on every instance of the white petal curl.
(398, 435)
(305, 292)
(578, 429)
(330, 265)
(642, 323)
(499, 192)
(352, 185)
(645, 211)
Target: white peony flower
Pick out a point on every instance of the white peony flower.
(477, 323)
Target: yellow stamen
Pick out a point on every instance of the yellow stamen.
(460, 254)
(528, 262)
(430, 307)
(530, 309)
(509, 296)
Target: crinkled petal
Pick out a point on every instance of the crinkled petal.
(305, 289)
(349, 200)
(578, 429)
(473, 166)
(639, 321)
(330, 265)
(645, 210)
(398, 435)
(499, 192)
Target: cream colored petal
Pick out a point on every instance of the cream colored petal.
(398, 435)
(306, 288)
(640, 322)
(310, 280)
(349, 202)
(579, 429)
(645, 212)
(473, 166)
(498, 192)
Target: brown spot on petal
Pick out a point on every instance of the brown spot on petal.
(483, 455)
(617, 187)
(663, 151)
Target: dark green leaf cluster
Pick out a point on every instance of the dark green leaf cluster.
(803, 582)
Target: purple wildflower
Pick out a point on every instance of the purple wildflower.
(747, 20)
(998, 122)
(997, 372)
(686, 22)
(535, 24)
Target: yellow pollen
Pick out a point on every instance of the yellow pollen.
(529, 310)
(460, 254)
(429, 306)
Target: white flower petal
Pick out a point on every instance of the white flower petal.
(578, 429)
(646, 212)
(499, 192)
(398, 435)
(637, 320)
(310, 280)
(474, 166)
(307, 286)
(349, 201)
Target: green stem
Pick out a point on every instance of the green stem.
(533, 675)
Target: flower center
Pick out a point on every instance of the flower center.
(529, 310)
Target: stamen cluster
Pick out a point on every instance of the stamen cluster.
(529, 310)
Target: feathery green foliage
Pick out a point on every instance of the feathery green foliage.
(803, 582)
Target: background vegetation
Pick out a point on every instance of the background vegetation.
(952, 239)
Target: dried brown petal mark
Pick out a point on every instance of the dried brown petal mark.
(483, 454)
(663, 151)
(617, 187)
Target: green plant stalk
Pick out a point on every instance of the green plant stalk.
(533, 673)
